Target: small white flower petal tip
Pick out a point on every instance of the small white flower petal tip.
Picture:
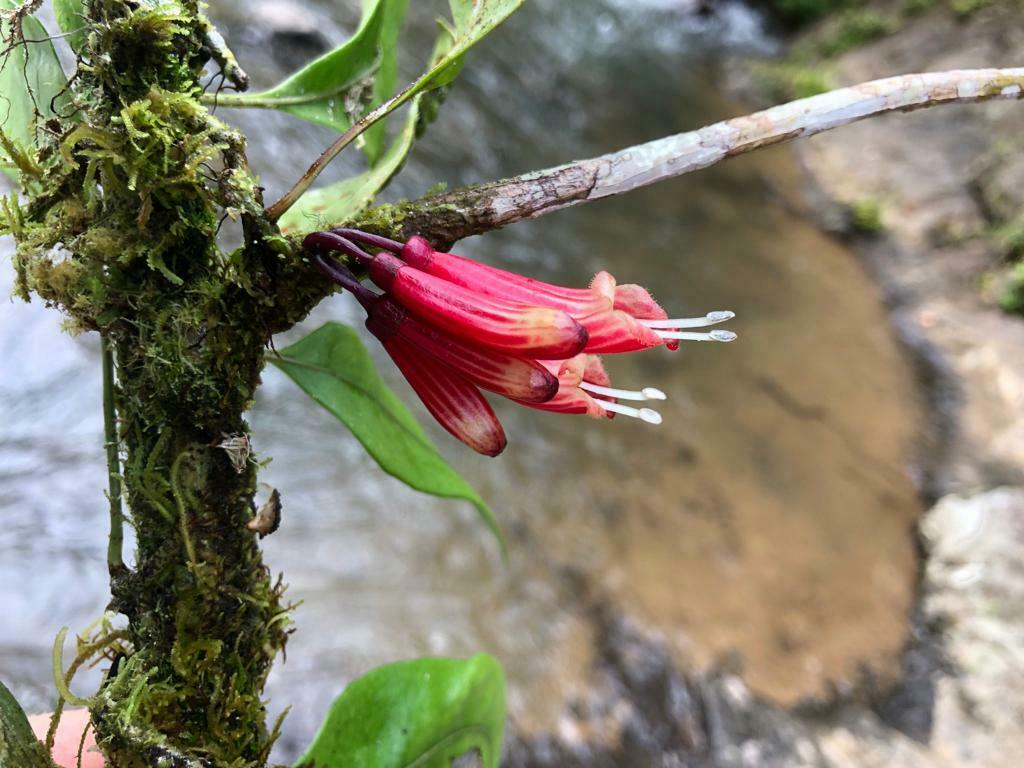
(711, 318)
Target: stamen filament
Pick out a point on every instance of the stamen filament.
(644, 414)
(712, 318)
(647, 393)
(684, 336)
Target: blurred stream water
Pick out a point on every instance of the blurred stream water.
(769, 515)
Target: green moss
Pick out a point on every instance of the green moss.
(119, 231)
(117, 227)
(967, 8)
(1012, 298)
(1008, 238)
(786, 80)
(915, 7)
(854, 28)
(866, 216)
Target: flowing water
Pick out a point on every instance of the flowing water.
(769, 516)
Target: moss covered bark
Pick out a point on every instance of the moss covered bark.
(118, 228)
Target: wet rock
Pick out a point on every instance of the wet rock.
(291, 33)
(288, 22)
(1000, 186)
(975, 589)
(945, 179)
(642, 709)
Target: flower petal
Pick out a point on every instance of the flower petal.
(594, 307)
(510, 376)
(614, 331)
(457, 405)
(572, 400)
(594, 373)
(638, 302)
(500, 283)
(520, 329)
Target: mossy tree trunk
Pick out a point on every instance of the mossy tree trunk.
(120, 232)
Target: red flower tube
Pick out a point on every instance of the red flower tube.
(523, 329)
(617, 318)
(513, 377)
(453, 326)
(456, 404)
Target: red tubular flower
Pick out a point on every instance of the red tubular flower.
(584, 388)
(520, 328)
(457, 405)
(617, 318)
(453, 326)
(514, 377)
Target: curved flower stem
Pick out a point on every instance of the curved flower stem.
(115, 563)
(474, 210)
(357, 129)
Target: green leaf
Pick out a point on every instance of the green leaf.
(31, 80)
(387, 75)
(333, 87)
(423, 714)
(71, 21)
(341, 201)
(332, 366)
(18, 745)
(473, 21)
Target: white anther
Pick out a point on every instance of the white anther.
(644, 414)
(647, 393)
(711, 318)
(717, 335)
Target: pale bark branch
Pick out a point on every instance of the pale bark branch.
(474, 210)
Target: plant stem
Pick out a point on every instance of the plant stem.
(115, 563)
(278, 209)
(474, 210)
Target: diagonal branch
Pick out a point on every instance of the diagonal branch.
(474, 210)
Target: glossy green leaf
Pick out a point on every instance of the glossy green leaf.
(332, 366)
(336, 86)
(423, 714)
(319, 208)
(31, 80)
(71, 21)
(18, 745)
